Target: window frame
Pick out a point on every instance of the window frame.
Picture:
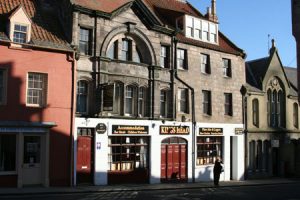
(205, 63)
(206, 102)
(295, 115)
(255, 112)
(44, 90)
(3, 87)
(208, 145)
(228, 107)
(82, 94)
(181, 53)
(20, 32)
(142, 101)
(14, 171)
(127, 52)
(132, 99)
(183, 102)
(87, 43)
(116, 165)
(227, 69)
(165, 58)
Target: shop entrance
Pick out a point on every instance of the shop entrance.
(32, 160)
(84, 165)
(174, 160)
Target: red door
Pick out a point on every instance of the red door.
(173, 162)
(84, 159)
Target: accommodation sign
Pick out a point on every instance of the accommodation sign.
(127, 129)
(210, 131)
(174, 130)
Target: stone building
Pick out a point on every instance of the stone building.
(158, 92)
(272, 118)
(296, 29)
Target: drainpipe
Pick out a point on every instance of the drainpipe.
(244, 106)
(72, 117)
(172, 75)
(193, 107)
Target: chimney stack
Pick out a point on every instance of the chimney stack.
(212, 12)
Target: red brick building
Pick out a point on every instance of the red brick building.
(36, 96)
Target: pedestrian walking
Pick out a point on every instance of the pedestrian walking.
(217, 171)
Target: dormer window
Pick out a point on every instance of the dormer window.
(19, 26)
(200, 29)
(20, 33)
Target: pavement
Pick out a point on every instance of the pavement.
(140, 187)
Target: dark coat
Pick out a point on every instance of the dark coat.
(217, 167)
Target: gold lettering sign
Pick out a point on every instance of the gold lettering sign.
(123, 129)
(174, 130)
(239, 131)
(210, 131)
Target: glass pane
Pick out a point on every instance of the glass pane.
(7, 153)
(32, 149)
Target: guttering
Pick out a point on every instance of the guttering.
(193, 107)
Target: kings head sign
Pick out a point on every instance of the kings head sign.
(174, 130)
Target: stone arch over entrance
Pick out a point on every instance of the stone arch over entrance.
(132, 31)
(174, 160)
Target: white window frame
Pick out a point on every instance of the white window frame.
(132, 97)
(181, 57)
(42, 100)
(206, 102)
(86, 94)
(227, 69)
(20, 31)
(205, 63)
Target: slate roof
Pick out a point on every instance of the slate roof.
(166, 11)
(106, 6)
(46, 31)
(257, 69)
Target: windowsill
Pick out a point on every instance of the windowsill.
(182, 69)
(205, 73)
(34, 106)
(19, 46)
(8, 173)
(207, 115)
(227, 77)
(127, 62)
(228, 116)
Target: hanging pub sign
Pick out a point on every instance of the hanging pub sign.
(210, 131)
(174, 130)
(129, 129)
(100, 128)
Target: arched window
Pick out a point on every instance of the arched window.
(295, 115)
(255, 112)
(269, 107)
(82, 96)
(276, 104)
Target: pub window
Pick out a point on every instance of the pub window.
(85, 41)
(82, 96)
(130, 100)
(126, 51)
(255, 112)
(295, 115)
(113, 97)
(7, 152)
(226, 67)
(206, 98)
(209, 149)
(164, 57)
(205, 64)
(182, 59)
(128, 153)
(228, 104)
(142, 102)
(113, 50)
(183, 97)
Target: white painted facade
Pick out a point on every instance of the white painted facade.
(202, 173)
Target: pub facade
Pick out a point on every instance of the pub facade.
(161, 84)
